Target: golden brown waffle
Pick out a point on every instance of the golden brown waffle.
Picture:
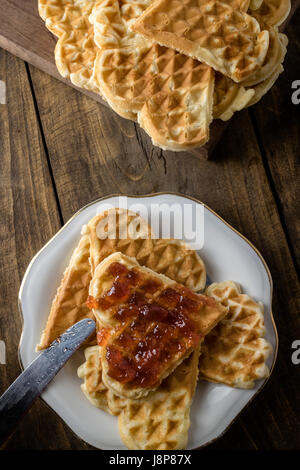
(93, 387)
(272, 67)
(69, 306)
(274, 12)
(229, 97)
(235, 352)
(255, 4)
(170, 257)
(117, 229)
(75, 50)
(151, 324)
(170, 93)
(216, 33)
(275, 56)
(159, 421)
(112, 20)
(162, 420)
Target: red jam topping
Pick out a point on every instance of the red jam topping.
(91, 302)
(121, 288)
(153, 329)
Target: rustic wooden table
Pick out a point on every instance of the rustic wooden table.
(59, 150)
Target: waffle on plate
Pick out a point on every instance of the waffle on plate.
(149, 324)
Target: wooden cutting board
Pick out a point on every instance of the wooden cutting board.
(23, 33)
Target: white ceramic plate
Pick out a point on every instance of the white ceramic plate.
(227, 255)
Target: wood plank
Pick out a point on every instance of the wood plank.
(278, 126)
(29, 216)
(94, 152)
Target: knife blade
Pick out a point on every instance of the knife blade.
(21, 394)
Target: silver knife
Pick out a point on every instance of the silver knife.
(19, 397)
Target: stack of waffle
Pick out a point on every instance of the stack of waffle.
(227, 345)
(172, 66)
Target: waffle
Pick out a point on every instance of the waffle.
(172, 96)
(229, 97)
(68, 306)
(263, 87)
(170, 257)
(114, 230)
(275, 56)
(170, 93)
(93, 387)
(234, 353)
(151, 324)
(75, 50)
(216, 33)
(255, 4)
(274, 12)
(162, 420)
(159, 421)
(112, 20)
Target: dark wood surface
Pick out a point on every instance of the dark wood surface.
(59, 150)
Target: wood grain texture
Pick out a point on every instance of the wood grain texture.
(278, 128)
(29, 216)
(83, 151)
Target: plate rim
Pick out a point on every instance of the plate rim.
(137, 196)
